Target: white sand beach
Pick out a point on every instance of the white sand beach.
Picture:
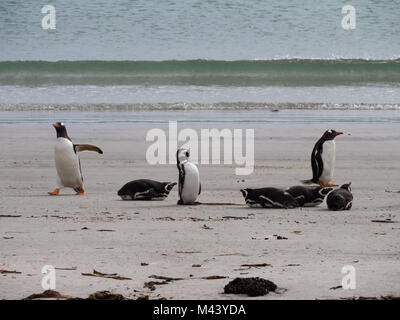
(64, 231)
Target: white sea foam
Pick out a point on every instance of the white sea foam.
(185, 106)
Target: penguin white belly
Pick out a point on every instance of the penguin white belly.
(328, 158)
(67, 164)
(191, 184)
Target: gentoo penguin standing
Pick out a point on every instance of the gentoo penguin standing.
(308, 196)
(340, 199)
(146, 189)
(269, 198)
(323, 159)
(189, 178)
(67, 161)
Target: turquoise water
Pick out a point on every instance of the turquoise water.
(305, 82)
(200, 29)
(292, 72)
(214, 53)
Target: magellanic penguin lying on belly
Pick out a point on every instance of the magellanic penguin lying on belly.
(145, 189)
(340, 199)
(309, 196)
(67, 161)
(323, 159)
(269, 198)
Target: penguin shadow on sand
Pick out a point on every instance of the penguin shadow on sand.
(323, 158)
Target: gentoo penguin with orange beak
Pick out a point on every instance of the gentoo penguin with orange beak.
(323, 159)
(67, 161)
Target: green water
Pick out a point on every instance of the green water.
(199, 29)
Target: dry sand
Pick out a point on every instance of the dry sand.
(320, 242)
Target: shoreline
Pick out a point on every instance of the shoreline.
(193, 106)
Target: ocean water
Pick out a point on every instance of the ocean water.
(199, 29)
(212, 54)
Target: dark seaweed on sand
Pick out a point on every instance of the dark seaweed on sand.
(251, 286)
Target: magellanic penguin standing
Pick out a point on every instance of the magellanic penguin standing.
(189, 178)
(67, 161)
(340, 199)
(323, 159)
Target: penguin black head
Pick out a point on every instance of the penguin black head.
(61, 130)
(169, 185)
(323, 191)
(245, 193)
(182, 154)
(346, 186)
(331, 134)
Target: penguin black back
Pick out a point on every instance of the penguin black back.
(145, 189)
(269, 198)
(309, 196)
(340, 199)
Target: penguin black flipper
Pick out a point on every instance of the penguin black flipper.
(87, 147)
(301, 200)
(317, 165)
(181, 181)
(149, 194)
(320, 165)
(266, 202)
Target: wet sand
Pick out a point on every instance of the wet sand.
(64, 231)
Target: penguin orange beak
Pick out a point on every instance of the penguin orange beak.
(339, 133)
(55, 125)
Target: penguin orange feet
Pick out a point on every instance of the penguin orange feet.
(81, 192)
(327, 184)
(55, 192)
